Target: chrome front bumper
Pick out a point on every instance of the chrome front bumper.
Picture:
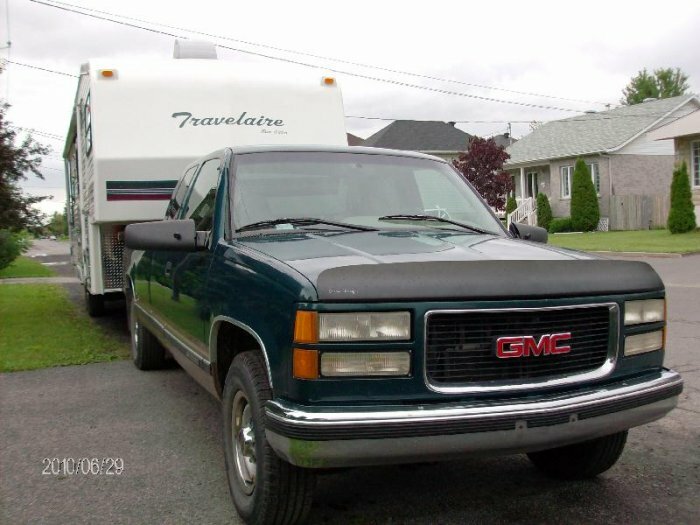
(319, 437)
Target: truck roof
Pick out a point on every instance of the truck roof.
(240, 150)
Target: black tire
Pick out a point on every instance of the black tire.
(146, 351)
(95, 304)
(581, 460)
(264, 488)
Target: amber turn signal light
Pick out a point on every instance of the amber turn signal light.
(306, 327)
(305, 364)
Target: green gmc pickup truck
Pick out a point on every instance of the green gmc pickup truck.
(359, 306)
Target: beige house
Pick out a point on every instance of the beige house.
(623, 157)
(685, 133)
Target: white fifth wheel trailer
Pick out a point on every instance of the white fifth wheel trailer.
(137, 124)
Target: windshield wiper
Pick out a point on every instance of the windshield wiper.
(417, 217)
(303, 221)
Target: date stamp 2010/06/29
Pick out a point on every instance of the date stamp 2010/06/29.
(82, 466)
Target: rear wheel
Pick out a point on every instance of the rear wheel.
(95, 304)
(581, 460)
(146, 351)
(264, 488)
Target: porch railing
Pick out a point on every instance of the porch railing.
(526, 212)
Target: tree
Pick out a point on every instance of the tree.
(585, 213)
(681, 218)
(544, 211)
(662, 83)
(57, 225)
(16, 209)
(482, 166)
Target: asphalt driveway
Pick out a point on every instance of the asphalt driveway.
(167, 431)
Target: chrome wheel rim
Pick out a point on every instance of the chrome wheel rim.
(243, 433)
(134, 335)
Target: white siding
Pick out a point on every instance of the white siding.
(645, 145)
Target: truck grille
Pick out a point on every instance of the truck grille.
(461, 346)
(112, 255)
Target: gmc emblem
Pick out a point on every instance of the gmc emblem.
(525, 346)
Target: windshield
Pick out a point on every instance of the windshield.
(354, 188)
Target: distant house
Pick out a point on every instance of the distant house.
(441, 139)
(623, 158)
(685, 133)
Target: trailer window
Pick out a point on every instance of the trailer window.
(202, 197)
(87, 125)
(179, 193)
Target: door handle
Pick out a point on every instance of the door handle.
(168, 268)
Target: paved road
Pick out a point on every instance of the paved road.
(167, 430)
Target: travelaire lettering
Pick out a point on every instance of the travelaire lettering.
(524, 346)
(241, 120)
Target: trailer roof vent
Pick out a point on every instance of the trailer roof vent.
(194, 49)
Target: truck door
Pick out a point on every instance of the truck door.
(178, 278)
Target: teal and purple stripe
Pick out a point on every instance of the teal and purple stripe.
(140, 190)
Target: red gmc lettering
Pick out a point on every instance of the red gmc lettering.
(525, 346)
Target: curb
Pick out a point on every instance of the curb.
(661, 255)
(39, 280)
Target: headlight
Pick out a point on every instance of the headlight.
(648, 311)
(313, 327)
(339, 364)
(641, 343)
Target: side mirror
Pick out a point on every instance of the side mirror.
(528, 233)
(175, 235)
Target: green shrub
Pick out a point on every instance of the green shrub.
(511, 205)
(544, 211)
(561, 224)
(585, 213)
(681, 218)
(11, 246)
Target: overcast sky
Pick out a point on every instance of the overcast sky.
(582, 51)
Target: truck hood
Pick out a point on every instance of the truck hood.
(404, 265)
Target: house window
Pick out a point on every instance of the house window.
(595, 176)
(567, 175)
(532, 189)
(87, 125)
(695, 162)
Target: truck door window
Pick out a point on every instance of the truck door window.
(202, 198)
(179, 193)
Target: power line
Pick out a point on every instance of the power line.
(322, 57)
(44, 134)
(315, 66)
(39, 68)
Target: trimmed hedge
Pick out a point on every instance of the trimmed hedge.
(585, 212)
(561, 224)
(511, 205)
(544, 211)
(681, 218)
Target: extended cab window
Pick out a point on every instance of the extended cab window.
(202, 198)
(179, 193)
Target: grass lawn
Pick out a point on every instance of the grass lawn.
(26, 267)
(656, 241)
(40, 327)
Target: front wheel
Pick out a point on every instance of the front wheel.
(581, 460)
(264, 488)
